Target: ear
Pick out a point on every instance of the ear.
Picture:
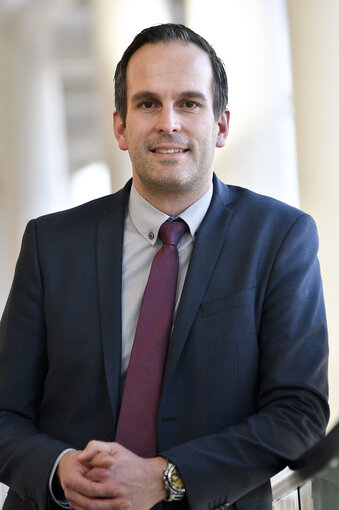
(223, 127)
(119, 131)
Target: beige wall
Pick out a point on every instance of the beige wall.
(315, 55)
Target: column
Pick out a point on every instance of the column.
(315, 43)
(34, 177)
(116, 25)
(253, 41)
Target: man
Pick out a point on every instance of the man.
(244, 386)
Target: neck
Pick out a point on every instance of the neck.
(171, 204)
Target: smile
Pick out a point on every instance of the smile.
(169, 151)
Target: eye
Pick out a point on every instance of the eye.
(190, 104)
(147, 105)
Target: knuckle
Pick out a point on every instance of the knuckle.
(93, 444)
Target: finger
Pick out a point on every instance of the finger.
(95, 447)
(101, 459)
(97, 475)
(98, 487)
(92, 449)
(80, 502)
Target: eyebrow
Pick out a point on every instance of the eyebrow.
(147, 94)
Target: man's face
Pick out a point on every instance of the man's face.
(170, 130)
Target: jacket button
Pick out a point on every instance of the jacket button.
(31, 502)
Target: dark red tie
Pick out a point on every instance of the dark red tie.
(137, 424)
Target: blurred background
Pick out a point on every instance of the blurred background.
(57, 60)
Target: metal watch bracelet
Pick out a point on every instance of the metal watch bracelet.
(173, 483)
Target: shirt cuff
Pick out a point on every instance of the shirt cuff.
(53, 480)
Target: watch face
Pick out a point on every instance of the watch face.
(175, 480)
(173, 483)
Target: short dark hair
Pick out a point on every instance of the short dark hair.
(167, 33)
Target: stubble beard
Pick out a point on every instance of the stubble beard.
(170, 177)
(166, 179)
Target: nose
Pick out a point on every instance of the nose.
(168, 120)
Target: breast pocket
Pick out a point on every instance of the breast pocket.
(230, 302)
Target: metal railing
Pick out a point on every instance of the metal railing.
(312, 481)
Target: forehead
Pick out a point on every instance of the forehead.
(174, 65)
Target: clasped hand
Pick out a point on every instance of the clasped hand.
(107, 476)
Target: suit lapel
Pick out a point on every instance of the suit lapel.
(209, 240)
(109, 265)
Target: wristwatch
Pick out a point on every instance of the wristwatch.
(173, 483)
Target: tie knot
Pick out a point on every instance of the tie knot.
(172, 231)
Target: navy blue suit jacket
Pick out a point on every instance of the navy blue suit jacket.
(245, 385)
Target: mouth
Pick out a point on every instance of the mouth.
(168, 151)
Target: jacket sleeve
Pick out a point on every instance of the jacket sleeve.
(26, 454)
(291, 408)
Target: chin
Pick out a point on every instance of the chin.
(172, 184)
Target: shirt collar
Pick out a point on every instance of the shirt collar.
(147, 219)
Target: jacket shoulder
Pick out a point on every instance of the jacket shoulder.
(262, 206)
(86, 214)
